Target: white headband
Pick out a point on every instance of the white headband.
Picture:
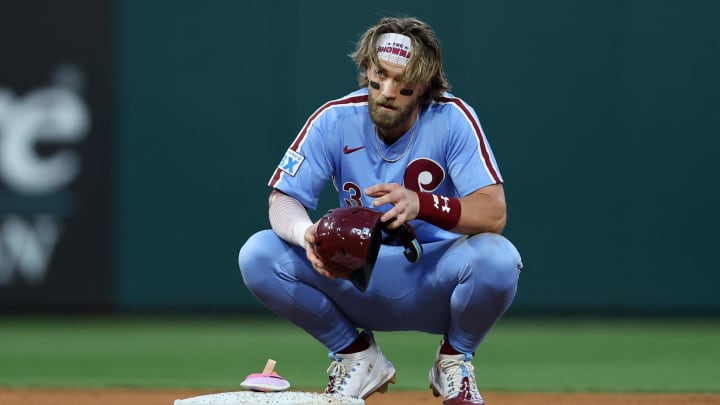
(394, 48)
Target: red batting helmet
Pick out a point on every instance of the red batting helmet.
(348, 240)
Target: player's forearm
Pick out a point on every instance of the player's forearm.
(482, 211)
(288, 218)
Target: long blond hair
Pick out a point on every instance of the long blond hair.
(425, 65)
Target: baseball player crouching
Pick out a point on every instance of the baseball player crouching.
(416, 244)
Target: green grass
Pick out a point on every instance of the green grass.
(213, 353)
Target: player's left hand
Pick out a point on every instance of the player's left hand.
(406, 204)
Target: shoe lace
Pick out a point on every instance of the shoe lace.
(339, 371)
(460, 377)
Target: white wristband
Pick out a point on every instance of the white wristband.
(298, 231)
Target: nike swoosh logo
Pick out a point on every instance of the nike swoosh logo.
(348, 151)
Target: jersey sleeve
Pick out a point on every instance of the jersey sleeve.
(307, 166)
(471, 162)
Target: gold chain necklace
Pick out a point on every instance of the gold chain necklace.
(407, 148)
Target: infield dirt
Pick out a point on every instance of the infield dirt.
(26, 396)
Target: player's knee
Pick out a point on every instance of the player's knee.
(255, 258)
(498, 261)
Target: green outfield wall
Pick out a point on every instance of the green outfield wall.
(604, 117)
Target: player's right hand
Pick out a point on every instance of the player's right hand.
(405, 203)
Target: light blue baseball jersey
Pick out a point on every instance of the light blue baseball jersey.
(445, 152)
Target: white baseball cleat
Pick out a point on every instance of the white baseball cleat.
(360, 374)
(452, 377)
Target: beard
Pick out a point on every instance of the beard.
(385, 119)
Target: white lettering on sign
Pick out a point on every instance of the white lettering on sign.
(26, 247)
(54, 115)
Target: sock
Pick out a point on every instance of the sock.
(358, 345)
(446, 348)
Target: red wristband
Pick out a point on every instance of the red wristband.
(439, 210)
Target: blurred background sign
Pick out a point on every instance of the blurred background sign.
(55, 161)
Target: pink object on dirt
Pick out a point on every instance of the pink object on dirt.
(267, 381)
